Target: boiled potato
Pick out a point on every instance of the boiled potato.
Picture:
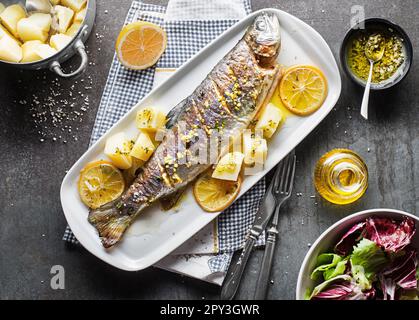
(59, 41)
(2, 7)
(29, 52)
(150, 119)
(64, 17)
(10, 17)
(45, 51)
(255, 149)
(261, 151)
(229, 166)
(76, 5)
(143, 147)
(269, 120)
(42, 20)
(118, 149)
(10, 49)
(75, 27)
(80, 15)
(35, 27)
(5, 32)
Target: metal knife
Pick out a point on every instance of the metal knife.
(262, 219)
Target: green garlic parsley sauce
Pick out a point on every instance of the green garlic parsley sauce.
(383, 69)
(375, 47)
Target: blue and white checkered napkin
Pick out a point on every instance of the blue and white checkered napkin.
(190, 25)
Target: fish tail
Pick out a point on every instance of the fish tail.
(110, 223)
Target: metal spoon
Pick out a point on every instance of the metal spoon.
(42, 6)
(374, 51)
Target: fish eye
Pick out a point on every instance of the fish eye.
(261, 25)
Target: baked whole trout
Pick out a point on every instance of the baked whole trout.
(224, 103)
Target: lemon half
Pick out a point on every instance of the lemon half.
(140, 44)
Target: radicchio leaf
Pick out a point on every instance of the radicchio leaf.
(400, 274)
(389, 234)
(322, 286)
(345, 245)
(370, 294)
(343, 289)
(388, 286)
(338, 291)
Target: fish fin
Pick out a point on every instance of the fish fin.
(109, 223)
(172, 200)
(174, 114)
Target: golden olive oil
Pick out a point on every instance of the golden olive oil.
(276, 100)
(341, 176)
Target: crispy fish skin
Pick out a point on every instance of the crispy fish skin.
(225, 102)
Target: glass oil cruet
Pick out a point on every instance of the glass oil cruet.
(341, 176)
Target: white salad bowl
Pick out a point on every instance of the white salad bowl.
(332, 235)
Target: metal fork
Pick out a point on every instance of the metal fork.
(282, 192)
(278, 191)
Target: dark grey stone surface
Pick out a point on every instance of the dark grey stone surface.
(31, 171)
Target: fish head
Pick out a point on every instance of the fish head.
(264, 38)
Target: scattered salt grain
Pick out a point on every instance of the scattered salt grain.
(56, 107)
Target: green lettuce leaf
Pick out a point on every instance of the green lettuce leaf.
(366, 259)
(358, 273)
(336, 271)
(325, 262)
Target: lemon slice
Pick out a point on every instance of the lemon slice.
(140, 44)
(303, 89)
(100, 182)
(214, 194)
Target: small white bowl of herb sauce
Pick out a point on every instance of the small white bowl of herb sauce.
(396, 60)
